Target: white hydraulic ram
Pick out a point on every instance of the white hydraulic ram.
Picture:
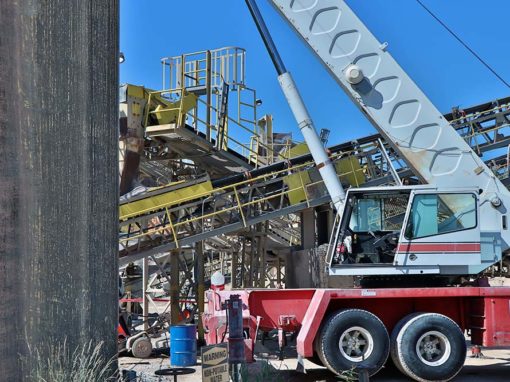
(298, 107)
(455, 225)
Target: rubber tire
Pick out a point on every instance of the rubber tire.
(393, 340)
(316, 359)
(409, 335)
(331, 331)
(142, 348)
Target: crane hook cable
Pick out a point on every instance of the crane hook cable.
(463, 43)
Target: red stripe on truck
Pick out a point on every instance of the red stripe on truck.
(439, 247)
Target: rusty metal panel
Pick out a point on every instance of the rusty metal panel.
(58, 183)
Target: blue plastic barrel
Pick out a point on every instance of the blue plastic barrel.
(183, 345)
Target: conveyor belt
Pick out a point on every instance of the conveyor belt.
(184, 213)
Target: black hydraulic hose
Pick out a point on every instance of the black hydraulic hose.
(278, 166)
(266, 37)
(284, 164)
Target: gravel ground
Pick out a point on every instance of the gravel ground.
(495, 366)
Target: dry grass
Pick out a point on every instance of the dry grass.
(58, 363)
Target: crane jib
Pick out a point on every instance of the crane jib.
(390, 99)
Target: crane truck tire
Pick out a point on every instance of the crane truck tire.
(393, 340)
(429, 347)
(353, 338)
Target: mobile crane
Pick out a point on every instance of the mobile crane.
(455, 224)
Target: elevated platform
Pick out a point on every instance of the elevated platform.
(193, 145)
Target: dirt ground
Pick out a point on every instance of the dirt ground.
(495, 366)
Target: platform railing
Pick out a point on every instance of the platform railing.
(236, 206)
(205, 74)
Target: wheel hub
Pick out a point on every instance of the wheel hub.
(433, 348)
(356, 344)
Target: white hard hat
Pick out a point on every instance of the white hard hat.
(217, 279)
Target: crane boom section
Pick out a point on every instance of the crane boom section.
(390, 99)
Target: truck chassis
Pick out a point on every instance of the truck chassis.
(422, 328)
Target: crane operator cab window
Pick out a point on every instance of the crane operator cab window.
(436, 214)
(374, 224)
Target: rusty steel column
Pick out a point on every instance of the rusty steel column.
(175, 287)
(58, 177)
(199, 280)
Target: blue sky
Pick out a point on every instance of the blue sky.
(446, 71)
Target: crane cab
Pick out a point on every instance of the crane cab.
(409, 230)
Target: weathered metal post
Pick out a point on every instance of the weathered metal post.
(145, 286)
(236, 355)
(174, 287)
(208, 78)
(199, 279)
(58, 178)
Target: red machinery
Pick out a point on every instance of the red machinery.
(484, 311)
(422, 328)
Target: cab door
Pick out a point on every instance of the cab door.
(441, 228)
